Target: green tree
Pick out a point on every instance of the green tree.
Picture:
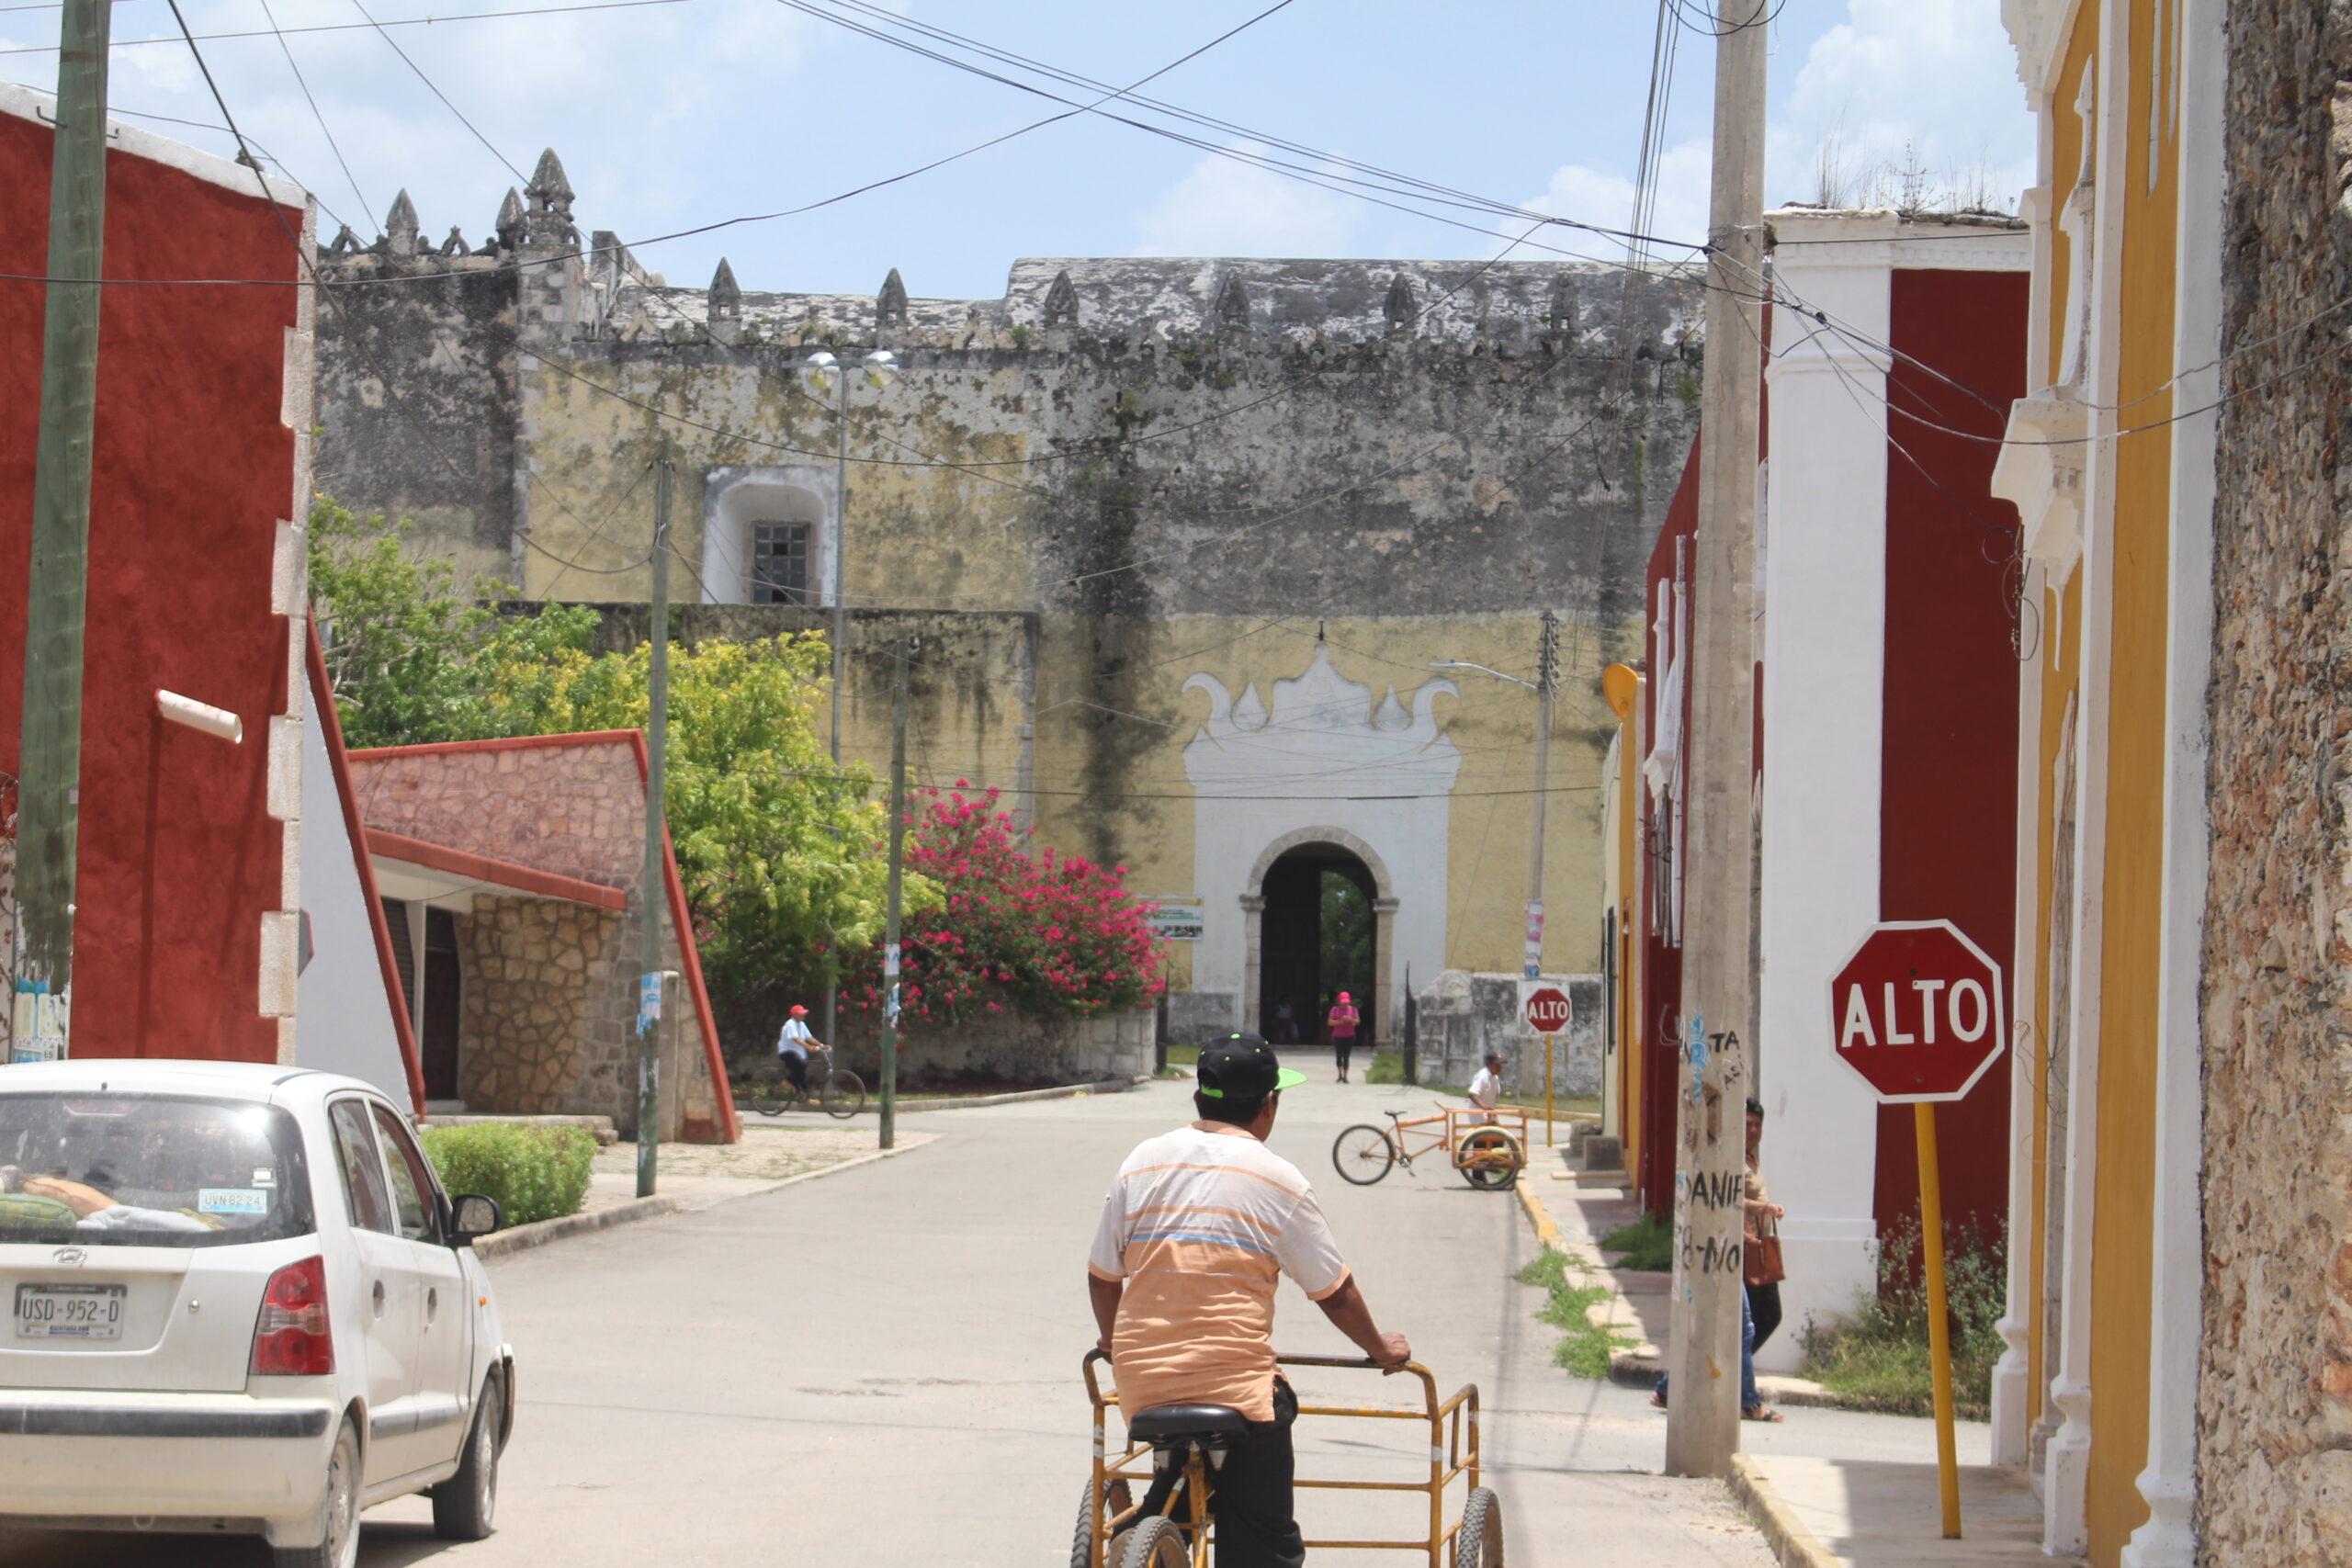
(408, 659)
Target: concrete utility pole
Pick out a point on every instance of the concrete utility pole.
(904, 654)
(655, 882)
(1702, 1355)
(50, 789)
(1547, 670)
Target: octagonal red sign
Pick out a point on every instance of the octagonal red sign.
(1917, 1010)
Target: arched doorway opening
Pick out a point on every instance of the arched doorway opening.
(1320, 935)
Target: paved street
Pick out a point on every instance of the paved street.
(882, 1366)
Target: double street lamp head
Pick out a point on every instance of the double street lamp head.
(820, 368)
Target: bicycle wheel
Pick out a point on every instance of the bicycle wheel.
(1116, 1500)
(1157, 1542)
(1479, 1542)
(1489, 1157)
(1363, 1154)
(843, 1093)
(772, 1107)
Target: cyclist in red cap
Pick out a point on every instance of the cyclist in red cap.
(792, 1048)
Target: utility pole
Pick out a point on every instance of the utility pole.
(655, 882)
(903, 653)
(841, 643)
(1703, 1419)
(1547, 662)
(50, 750)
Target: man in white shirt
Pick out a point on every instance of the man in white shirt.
(792, 1048)
(1488, 1086)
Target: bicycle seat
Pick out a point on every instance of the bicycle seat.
(1393, 1115)
(1214, 1425)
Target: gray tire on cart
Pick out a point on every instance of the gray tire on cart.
(465, 1506)
(1156, 1543)
(1479, 1542)
(338, 1545)
(1082, 1545)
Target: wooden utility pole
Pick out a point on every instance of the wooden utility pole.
(655, 883)
(1703, 1349)
(49, 750)
(1547, 660)
(904, 654)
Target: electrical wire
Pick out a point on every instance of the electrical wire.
(436, 91)
(287, 47)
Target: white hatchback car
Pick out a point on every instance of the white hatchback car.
(238, 1302)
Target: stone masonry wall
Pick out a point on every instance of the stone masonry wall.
(1012, 1050)
(1463, 1016)
(576, 810)
(535, 973)
(2275, 1397)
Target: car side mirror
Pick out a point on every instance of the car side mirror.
(473, 1217)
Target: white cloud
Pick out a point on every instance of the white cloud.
(1594, 196)
(1224, 207)
(1933, 82)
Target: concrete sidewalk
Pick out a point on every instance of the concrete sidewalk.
(1833, 1513)
(1637, 1303)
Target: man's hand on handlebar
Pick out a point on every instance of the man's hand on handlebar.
(1393, 1352)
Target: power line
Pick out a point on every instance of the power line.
(436, 92)
(287, 47)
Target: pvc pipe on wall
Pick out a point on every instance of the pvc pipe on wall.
(199, 716)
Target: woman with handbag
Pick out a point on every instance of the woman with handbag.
(1760, 1266)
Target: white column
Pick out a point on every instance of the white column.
(1825, 659)
(1254, 915)
(2167, 1539)
(2011, 1382)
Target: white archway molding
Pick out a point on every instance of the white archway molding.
(735, 496)
(1338, 838)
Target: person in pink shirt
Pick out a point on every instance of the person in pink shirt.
(1343, 1021)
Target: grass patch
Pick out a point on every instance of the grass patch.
(1387, 1067)
(1183, 1056)
(1585, 1347)
(1877, 1360)
(1647, 1242)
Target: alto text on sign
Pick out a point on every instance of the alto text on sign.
(1917, 1011)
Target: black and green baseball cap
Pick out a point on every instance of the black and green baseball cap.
(1242, 1066)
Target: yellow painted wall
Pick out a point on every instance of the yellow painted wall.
(2133, 893)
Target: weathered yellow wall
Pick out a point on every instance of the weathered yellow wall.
(2133, 894)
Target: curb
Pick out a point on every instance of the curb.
(1795, 1545)
(1547, 1233)
(1022, 1096)
(523, 1238)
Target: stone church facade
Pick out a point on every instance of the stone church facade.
(1181, 539)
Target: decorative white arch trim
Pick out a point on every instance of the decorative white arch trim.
(1299, 838)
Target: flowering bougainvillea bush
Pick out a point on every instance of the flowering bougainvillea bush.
(1044, 935)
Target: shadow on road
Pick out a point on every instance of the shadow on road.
(384, 1544)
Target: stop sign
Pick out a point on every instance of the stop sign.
(1547, 1009)
(1917, 1010)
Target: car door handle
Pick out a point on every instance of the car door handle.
(380, 1298)
(432, 1305)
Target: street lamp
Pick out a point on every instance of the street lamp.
(1547, 659)
(821, 371)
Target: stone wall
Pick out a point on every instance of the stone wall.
(2274, 1396)
(537, 974)
(1463, 1016)
(1010, 1050)
(576, 809)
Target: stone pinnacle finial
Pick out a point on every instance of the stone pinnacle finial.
(401, 237)
(1403, 307)
(511, 220)
(1061, 302)
(890, 305)
(1563, 312)
(1232, 304)
(345, 243)
(726, 295)
(548, 219)
(455, 245)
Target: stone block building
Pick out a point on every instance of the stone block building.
(511, 874)
(1181, 539)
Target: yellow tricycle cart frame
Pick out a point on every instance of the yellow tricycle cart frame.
(1489, 1147)
(1109, 1515)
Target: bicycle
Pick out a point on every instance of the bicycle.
(839, 1092)
(1481, 1144)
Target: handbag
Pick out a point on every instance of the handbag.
(1759, 1260)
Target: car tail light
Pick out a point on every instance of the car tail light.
(292, 1337)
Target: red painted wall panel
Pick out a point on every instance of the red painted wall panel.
(1949, 767)
(193, 471)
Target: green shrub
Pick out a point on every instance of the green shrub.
(1647, 1242)
(536, 1173)
(1879, 1359)
(1387, 1067)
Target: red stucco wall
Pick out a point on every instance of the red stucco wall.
(1947, 771)
(194, 470)
(1661, 997)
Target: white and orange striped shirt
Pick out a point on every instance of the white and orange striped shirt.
(1201, 1223)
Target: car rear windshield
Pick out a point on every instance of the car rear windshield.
(149, 1170)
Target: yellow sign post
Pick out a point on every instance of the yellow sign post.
(1547, 1088)
(1931, 1228)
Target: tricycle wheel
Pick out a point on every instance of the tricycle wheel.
(1116, 1500)
(1489, 1157)
(1156, 1543)
(1363, 1154)
(1479, 1542)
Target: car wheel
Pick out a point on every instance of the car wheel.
(338, 1544)
(465, 1506)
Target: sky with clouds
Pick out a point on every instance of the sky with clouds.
(684, 112)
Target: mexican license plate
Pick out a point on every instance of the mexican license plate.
(69, 1312)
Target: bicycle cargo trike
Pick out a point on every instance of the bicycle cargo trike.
(1124, 1522)
(1489, 1147)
